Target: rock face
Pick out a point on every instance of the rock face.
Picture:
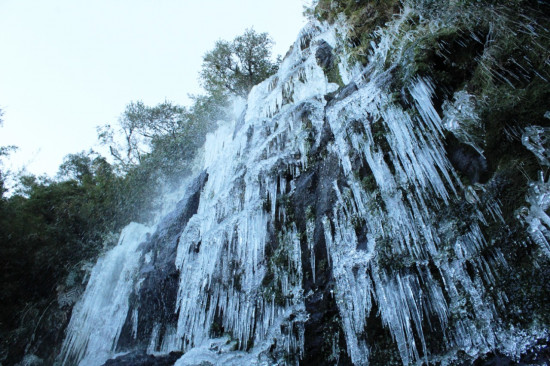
(394, 214)
(143, 359)
(324, 56)
(153, 303)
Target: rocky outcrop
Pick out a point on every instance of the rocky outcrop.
(140, 358)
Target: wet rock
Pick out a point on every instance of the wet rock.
(346, 91)
(31, 360)
(156, 300)
(467, 160)
(539, 356)
(140, 358)
(324, 341)
(324, 55)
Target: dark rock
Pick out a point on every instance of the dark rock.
(323, 331)
(467, 160)
(329, 97)
(346, 91)
(156, 299)
(140, 358)
(31, 360)
(531, 358)
(324, 55)
(319, 148)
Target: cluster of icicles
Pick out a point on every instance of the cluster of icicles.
(425, 289)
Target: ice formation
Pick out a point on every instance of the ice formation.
(242, 256)
(98, 318)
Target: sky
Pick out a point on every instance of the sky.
(67, 66)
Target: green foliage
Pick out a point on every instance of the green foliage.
(237, 66)
(4, 151)
(139, 126)
(360, 12)
(333, 75)
(48, 227)
(363, 17)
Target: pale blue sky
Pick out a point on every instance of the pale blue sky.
(67, 66)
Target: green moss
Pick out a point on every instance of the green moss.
(379, 135)
(369, 183)
(322, 266)
(333, 75)
(285, 201)
(310, 214)
(364, 16)
(512, 95)
(280, 262)
(275, 294)
(216, 330)
(331, 338)
(271, 286)
(506, 76)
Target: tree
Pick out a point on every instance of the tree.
(238, 65)
(4, 151)
(76, 167)
(139, 126)
(48, 228)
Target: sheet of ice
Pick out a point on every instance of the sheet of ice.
(98, 317)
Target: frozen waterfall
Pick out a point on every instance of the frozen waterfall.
(348, 201)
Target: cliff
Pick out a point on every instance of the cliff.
(383, 199)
